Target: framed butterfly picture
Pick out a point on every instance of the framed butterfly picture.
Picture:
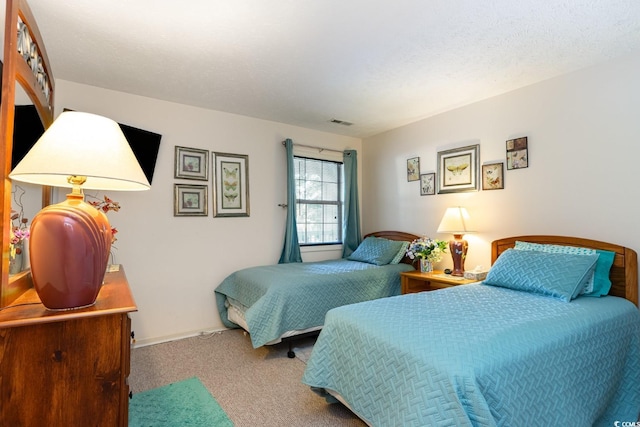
(458, 169)
(493, 176)
(230, 185)
(191, 163)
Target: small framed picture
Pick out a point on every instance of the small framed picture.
(413, 169)
(190, 200)
(458, 169)
(428, 184)
(230, 185)
(493, 176)
(191, 163)
(517, 153)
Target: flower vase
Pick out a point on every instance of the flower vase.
(16, 258)
(425, 265)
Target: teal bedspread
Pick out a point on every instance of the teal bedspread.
(286, 297)
(478, 355)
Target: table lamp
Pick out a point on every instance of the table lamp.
(454, 222)
(70, 242)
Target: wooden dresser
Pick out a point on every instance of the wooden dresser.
(67, 368)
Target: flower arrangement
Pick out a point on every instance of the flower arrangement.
(19, 230)
(429, 249)
(105, 205)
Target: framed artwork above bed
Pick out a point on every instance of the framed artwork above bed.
(493, 176)
(458, 169)
(428, 184)
(413, 169)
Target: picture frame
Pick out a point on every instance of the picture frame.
(458, 169)
(230, 185)
(413, 169)
(190, 200)
(517, 153)
(428, 184)
(191, 163)
(493, 176)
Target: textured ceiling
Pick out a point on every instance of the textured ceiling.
(378, 64)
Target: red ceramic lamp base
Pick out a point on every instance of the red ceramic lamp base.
(68, 251)
(458, 249)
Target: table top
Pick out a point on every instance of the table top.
(114, 297)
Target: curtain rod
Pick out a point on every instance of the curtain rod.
(315, 148)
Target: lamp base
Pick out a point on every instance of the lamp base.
(458, 248)
(68, 250)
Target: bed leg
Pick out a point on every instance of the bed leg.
(291, 354)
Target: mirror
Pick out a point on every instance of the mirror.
(26, 78)
(26, 199)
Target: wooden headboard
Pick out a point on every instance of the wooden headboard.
(396, 235)
(624, 272)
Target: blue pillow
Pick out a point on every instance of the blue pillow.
(602, 283)
(557, 275)
(599, 283)
(376, 250)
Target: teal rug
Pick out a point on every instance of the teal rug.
(185, 403)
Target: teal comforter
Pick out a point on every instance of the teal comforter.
(286, 297)
(478, 355)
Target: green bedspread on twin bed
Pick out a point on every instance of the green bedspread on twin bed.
(285, 297)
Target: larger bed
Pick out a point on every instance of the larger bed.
(490, 355)
(286, 300)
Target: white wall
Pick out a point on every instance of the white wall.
(583, 131)
(174, 263)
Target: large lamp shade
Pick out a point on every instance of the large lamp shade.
(69, 242)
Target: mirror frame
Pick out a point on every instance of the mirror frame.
(17, 71)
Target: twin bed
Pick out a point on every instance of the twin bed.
(531, 345)
(289, 300)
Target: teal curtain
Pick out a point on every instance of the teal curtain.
(291, 248)
(351, 236)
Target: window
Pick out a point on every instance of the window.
(318, 201)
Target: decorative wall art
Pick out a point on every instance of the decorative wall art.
(191, 163)
(190, 200)
(428, 184)
(458, 169)
(413, 169)
(493, 176)
(517, 153)
(230, 185)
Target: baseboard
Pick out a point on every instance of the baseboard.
(168, 338)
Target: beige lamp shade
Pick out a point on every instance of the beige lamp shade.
(455, 221)
(82, 144)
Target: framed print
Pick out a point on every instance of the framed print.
(230, 185)
(458, 169)
(428, 184)
(413, 169)
(190, 200)
(191, 163)
(517, 153)
(493, 176)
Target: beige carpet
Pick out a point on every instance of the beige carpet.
(255, 387)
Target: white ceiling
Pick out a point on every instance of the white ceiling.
(378, 64)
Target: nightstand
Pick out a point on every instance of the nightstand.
(415, 281)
